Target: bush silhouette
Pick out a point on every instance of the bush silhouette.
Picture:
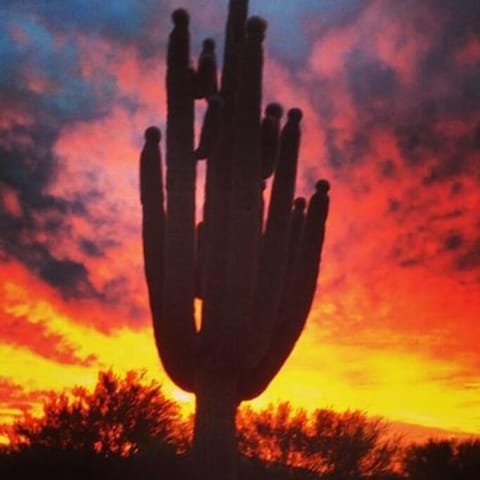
(442, 460)
(333, 445)
(118, 416)
(125, 428)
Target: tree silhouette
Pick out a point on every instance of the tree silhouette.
(256, 280)
(125, 428)
(468, 459)
(350, 445)
(433, 460)
(275, 434)
(333, 445)
(442, 460)
(114, 419)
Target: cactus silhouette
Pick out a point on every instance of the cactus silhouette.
(256, 280)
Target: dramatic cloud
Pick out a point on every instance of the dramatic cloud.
(14, 330)
(391, 103)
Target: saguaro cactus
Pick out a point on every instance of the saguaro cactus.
(256, 279)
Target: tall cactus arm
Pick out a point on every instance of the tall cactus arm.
(178, 337)
(297, 300)
(219, 185)
(234, 36)
(244, 225)
(206, 75)
(200, 261)
(215, 235)
(273, 259)
(299, 295)
(153, 221)
(296, 229)
(270, 138)
(211, 128)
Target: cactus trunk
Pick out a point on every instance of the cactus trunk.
(256, 283)
(214, 443)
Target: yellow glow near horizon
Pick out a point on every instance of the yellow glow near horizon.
(400, 385)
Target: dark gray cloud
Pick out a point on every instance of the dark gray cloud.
(90, 247)
(416, 111)
(68, 275)
(128, 22)
(386, 168)
(349, 152)
(469, 259)
(27, 166)
(43, 91)
(442, 241)
(41, 77)
(453, 241)
(294, 25)
(371, 83)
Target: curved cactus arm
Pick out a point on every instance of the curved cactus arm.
(297, 298)
(273, 259)
(178, 339)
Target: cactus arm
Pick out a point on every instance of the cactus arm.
(200, 261)
(273, 260)
(153, 219)
(215, 234)
(270, 138)
(244, 225)
(219, 185)
(307, 262)
(177, 339)
(205, 83)
(297, 298)
(234, 36)
(296, 229)
(211, 128)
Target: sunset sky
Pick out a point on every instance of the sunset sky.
(391, 98)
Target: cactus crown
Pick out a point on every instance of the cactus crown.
(180, 18)
(153, 134)
(275, 110)
(295, 115)
(300, 204)
(255, 28)
(209, 45)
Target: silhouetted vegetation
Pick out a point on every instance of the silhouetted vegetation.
(442, 460)
(331, 445)
(115, 418)
(126, 428)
